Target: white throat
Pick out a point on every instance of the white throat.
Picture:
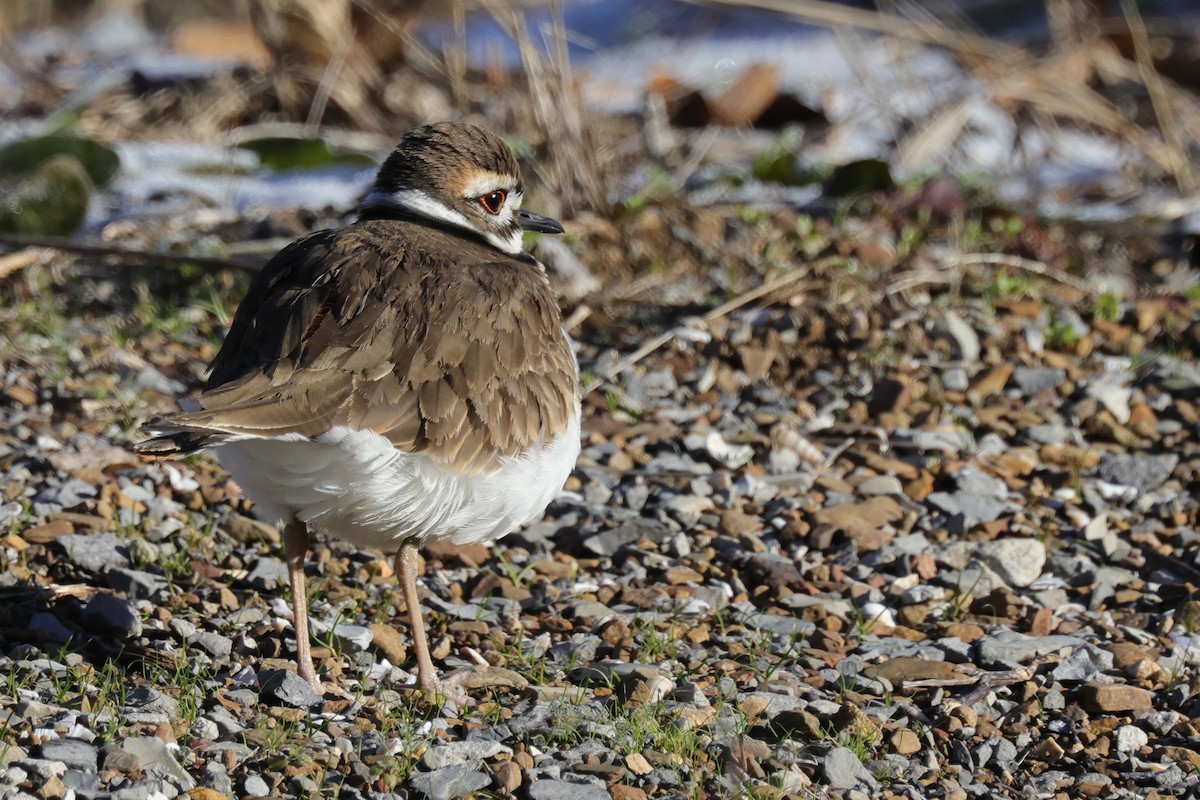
(420, 203)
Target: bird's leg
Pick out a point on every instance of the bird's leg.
(406, 568)
(295, 549)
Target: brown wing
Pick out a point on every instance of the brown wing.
(463, 359)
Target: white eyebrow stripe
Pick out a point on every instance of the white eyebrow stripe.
(485, 181)
(418, 202)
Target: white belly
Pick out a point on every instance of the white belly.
(356, 486)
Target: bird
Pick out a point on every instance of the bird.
(399, 380)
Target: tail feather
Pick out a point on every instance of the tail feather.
(172, 440)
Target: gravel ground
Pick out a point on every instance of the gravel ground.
(855, 537)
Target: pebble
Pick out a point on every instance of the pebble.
(843, 770)
(137, 584)
(285, 686)
(95, 553)
(110, 615)
(454, 753)
(155, 758)
(353, 638)
(1114, 697)
(564, 790)
(75, 754)
(451, 782)
(1130, 739)
(1018, 561)
(268, 574)
(1143, 472)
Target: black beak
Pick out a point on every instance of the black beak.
(536, 222)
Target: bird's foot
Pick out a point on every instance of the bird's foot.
(450, 691)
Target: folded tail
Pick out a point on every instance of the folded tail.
(172, 440)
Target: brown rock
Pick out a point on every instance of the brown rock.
(750, 94)
(388, 642)
(52, 788)
(757, 361)
(1128, 653)
(800, 722)
(248, 531)
(1043, 622)
(609, 773)
(1111, 697)
(911, 668)
(1048, 750)
(623, 791)
(21, 395)
(770, 571)
(488, 677)
(508, 776)
(867, 515)
(989, 383)
(48, 532)
(904, 742)
(735, 522)
(637, 764)
(920, 487)
(468, 555)
(966, 631)
(676, 576)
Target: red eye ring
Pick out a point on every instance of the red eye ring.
(492, 201)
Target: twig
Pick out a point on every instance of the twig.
(1023, 264)
(1158, 96)
(652, 344)
(208, 262)
(333, 69)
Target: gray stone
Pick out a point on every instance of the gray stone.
(1140, 471)
(214, 644)
(150, 789)
(81, 781)
(75, 753)
(1031, 380)
(268, 574)
(1077, 667)
(111, 615)
(353, 638)
(455, 753)
(69, 494)
(608, 542)
(1018, 561)
(1130, 739)
(843, 770)
(450, 782)
(95, 553)
(43, 768)
(152, 701)
(974, 505)
(288, 688)
(1007, 647)
(157, 760)
(566, 790)
(1048, 433)
(48, 627)
(137, 584)
(955, 379)
(255, 786)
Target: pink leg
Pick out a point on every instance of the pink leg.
(295, 549)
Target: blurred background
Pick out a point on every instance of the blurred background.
(1075, 109)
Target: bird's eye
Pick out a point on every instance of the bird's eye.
(493, 200)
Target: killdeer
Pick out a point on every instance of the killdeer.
(399, 380)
